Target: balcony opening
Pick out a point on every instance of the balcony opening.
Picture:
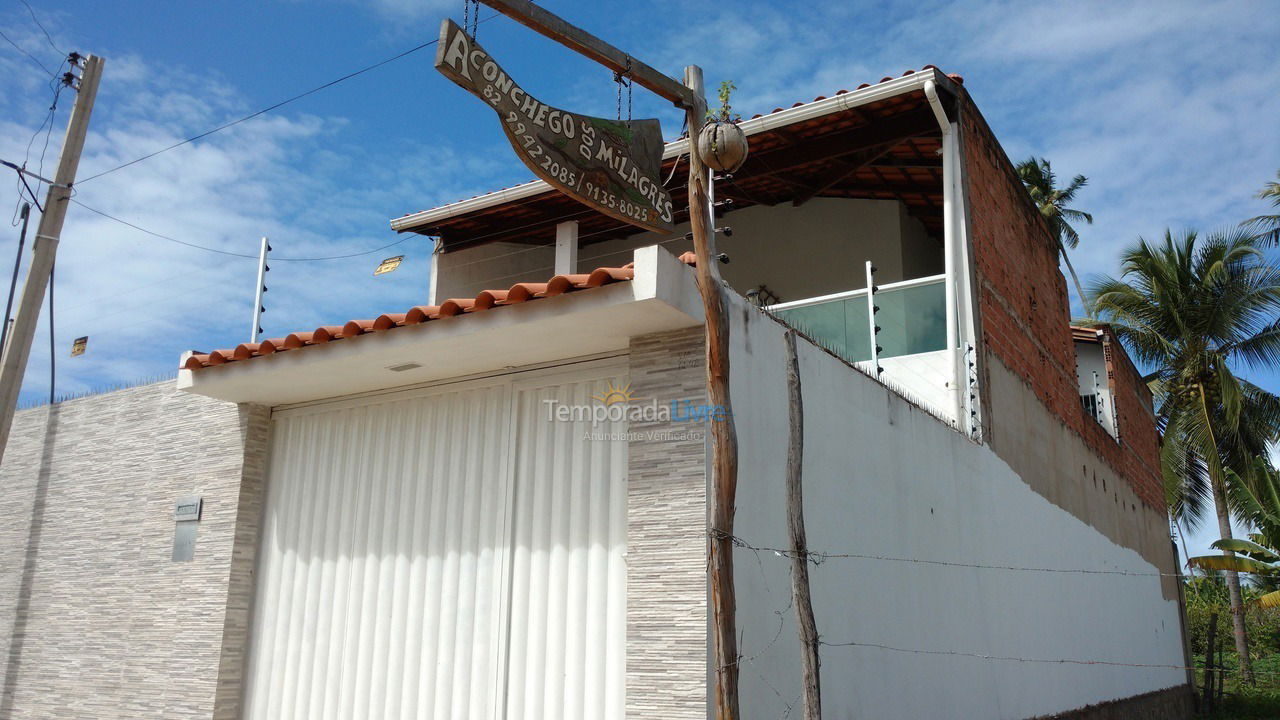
(1093, 376)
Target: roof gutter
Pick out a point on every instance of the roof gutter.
(926, 80)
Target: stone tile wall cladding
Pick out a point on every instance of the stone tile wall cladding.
(666, 536)
(96, 621)
(1022, 299)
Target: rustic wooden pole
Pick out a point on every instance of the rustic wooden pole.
(1211, 640)
(799, 544)
(724, 438)
(584, 43)
(1222, 675)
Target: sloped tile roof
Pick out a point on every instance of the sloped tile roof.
(958, 79)
(486, 300)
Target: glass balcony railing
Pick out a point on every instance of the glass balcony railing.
(912, 319)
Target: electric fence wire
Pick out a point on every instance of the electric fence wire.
(269, 108)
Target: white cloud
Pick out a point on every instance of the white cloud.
(143, 300)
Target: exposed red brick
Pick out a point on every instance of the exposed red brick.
(1025, 315)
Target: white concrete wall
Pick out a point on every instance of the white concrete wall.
(883, 478)
(798, 252)
(464, 273)
(1090, 360)
(922, 377)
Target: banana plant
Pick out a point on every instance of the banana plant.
(1252, 557)
(1259, 505)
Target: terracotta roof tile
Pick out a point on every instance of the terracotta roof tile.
(485, 300)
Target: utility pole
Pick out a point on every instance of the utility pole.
(45, 247)
(724, 439)
(262, 288)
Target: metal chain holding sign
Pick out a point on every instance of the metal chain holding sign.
(471, 17)
(623, 79)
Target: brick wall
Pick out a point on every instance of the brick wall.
(1025, 316)
(96, 621)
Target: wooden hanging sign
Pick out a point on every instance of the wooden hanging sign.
(610, 165)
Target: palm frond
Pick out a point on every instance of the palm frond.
(1246, 547)
(1232, 563)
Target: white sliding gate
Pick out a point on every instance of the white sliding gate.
(443, 553)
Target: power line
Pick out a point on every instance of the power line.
(268, 109)
(41, 26)
(162, 236)
(24, 52)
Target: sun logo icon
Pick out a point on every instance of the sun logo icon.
(614, 395)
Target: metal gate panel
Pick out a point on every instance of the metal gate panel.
(566, 652)
(381, 561)
(444, 553)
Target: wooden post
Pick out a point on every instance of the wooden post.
(584, 43)
(1208, 661)
(1222, 674)
(724, 437)
(811, 679)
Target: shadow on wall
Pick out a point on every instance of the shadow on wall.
(18, 634)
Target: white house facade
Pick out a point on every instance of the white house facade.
(494, 505)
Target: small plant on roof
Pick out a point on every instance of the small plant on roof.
(722, 145)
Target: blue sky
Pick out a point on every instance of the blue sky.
(1170, 109)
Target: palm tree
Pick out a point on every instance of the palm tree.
(1037, 175)
(1267, 227)
(1192, 310)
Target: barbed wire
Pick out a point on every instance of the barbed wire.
(1012, 658)
(817, 558)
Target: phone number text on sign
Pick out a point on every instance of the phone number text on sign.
(609, 165)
